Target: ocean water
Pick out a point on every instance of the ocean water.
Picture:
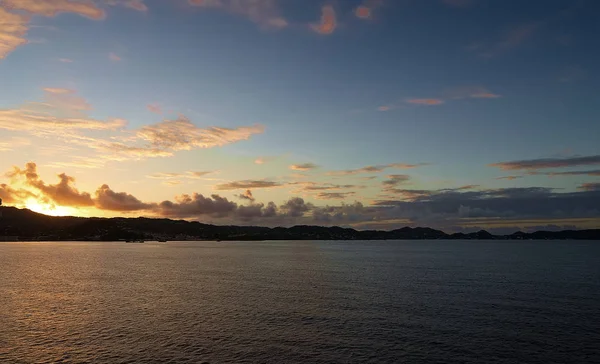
(300, 302)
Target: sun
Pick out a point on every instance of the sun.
(47, 209)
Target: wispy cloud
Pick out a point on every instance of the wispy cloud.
(188, 175)
(395, 179)
(265, 13)
(509, 178)
(65, 60)
(428, 102)
(377, 168)
(113, 57)
(51, 8)
(512, 38)
(544, 163)
(247, 184)
(155, 108)
(303, 167)
(334, 195)
(473, 92)
(328, 21)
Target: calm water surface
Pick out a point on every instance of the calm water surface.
(293, 302)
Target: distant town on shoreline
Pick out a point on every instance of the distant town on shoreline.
(25, 225)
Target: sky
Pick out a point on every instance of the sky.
(374, 114)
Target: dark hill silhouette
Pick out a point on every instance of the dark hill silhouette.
(23, 224)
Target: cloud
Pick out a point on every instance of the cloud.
(14, 196)
(590, 187)
(265, 13)
(328, 21)
(13, 29)
(314, 186)
(52, 8)
(574, 173)
(510, 178)
(535, 164)
(365, 10)
(428, 102)
(449, 208)
(512, 38)
(188, 175)
(334, 195)
(113, 57)
(246, 196)
(377, 168)
(196, 205)
(474, 92)
(65, 60)
(165, 138)
(182, 134)
(107, 199)
(263, 160)
(63, 193)
(16, 14)
(12, 143)
(247, 184)
(303, 167)
(155, 108)
(295, 207)
(136, 5)
(61, 111)
(395, 179)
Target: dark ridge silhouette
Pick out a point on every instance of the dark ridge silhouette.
(26, 225)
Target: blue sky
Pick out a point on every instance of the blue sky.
(455, 85)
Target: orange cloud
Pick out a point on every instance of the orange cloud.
(12, 32)
(63, 193)
(363, 12)
(51, 8)
(328, 21)
(428, 102)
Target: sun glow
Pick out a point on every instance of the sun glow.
(47, 209)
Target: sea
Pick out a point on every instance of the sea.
(300, 302)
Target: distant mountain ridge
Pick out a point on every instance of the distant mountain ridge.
(23, 224)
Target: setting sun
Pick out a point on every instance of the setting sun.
(48, 209)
